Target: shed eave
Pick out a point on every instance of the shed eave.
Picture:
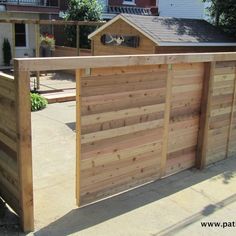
(128, 22)
(186, 44)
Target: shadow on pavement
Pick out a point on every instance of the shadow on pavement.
(88, 216)
(9, 222)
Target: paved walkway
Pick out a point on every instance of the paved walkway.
(172, 206)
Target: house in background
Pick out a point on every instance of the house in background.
(137, 7)
(23, 35)
(192, 9)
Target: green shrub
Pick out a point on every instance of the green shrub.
(37, 102)
(6, 49)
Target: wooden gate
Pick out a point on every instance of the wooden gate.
(16, 186)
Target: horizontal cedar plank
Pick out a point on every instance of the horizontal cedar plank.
(220, 111)
(125, 182)
(116, 144)
(101, 99)
(185, 103)
(189, 122)
(7, 93)
(122, 78)
(224, 70)
(216, 149)
(225, 64)
(223, 77)
(7, 182)
(8, 110)
(7, 80)
(129, 178)
(8, 131)
(182, 132)
(8, 165)
(183, 142)
(127, 70)
(119, 155)
(185, 111)
(117, 88)
(222, 99)
(8, 122)
(216, 157)
(181, 152)
(103, 117)
(224, 104)
(221, 130)
(219, 118)
(186, 96)
(8, 141)
(224, 84)
(222, 91)
(146, 160)
(218, 124)
(86, 138)
(113, 124)
(186, 80)
(181, 67)
(186, 88)
(180, 163)
(113, 102)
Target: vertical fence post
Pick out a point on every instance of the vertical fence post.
(78, 133)
(37, 54)
(13, 41)
(205, 114)
(166, 119)
(231, 117)
(77, 39)
(24, 147)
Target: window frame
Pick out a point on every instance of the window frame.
(127, 2)
(26, 39)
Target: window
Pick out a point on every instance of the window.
(20, 35)
(129, 2)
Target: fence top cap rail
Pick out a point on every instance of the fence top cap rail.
(72, 63)
(3, 75)
(50, 22)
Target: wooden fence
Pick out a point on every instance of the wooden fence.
(15, 147)
(61, 51)
(139, 118)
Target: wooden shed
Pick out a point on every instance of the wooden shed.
(136, 34)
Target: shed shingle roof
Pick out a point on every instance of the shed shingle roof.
(178, 30)
(168, 30)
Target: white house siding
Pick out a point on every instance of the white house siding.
(6, 32)
(193, 9)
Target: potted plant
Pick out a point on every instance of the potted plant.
(7, 56)
(47, 44)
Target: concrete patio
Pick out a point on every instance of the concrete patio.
(172, 206)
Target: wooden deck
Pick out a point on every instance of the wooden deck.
(64, 95)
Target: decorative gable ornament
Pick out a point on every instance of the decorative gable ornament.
(120, 40)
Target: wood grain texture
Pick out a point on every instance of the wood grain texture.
(9, 177)
(122, 124)
(24, 148)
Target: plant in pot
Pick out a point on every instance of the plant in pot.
(47, 44)
(7, 56)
